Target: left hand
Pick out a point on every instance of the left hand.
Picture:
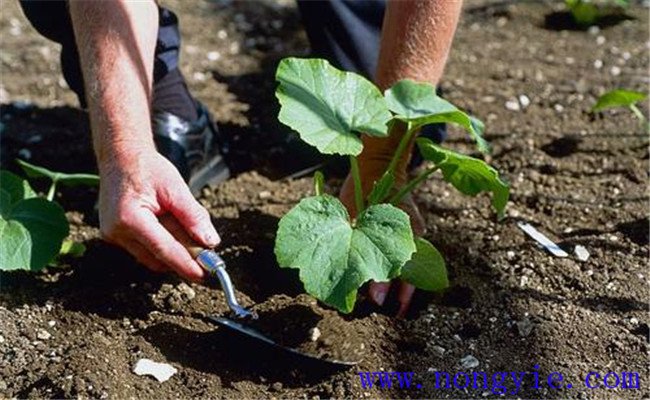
(370, 171)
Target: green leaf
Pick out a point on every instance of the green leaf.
(328, 107)
(34, 171)
(469, 175)
(584, 13)
(31, 229)
(335, 258)
(72, 249)
(426, 270)
(618, 98)
(419, 104)
(319, 182)
(16, 187)
(381, 189)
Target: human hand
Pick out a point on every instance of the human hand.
(370, 170)
(136, 189)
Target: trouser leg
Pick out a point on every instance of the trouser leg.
(52, 20)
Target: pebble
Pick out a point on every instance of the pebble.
(600, 40)
(314, 334)
(277, 386)
(615, 71)
(469, 361)
(634, 321)
(43, 334)
(213, 55)
(598, 64)
(51, 323)
(558, 107)
(524, 101)
(265, 194)
(186, 291)
(524, 327)
(222, 34)
(510, 254)
(581, 252)
(2, 339)
(438, 350)
(160, 371)
(512, 105)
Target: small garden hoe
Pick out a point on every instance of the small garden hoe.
(215, 265)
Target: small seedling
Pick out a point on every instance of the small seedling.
(335, 254)
(33, 228)
(588, 12)
(622, 98)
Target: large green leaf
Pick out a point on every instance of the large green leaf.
(34, 171)
(31, 228)
(328, 107)
(16, 187)
(419, 104)
(426, 270)
(335, 258)
(618, 98)
(469, 175)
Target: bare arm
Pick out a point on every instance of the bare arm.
(116, 42)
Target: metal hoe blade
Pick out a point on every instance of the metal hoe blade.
(214, 264)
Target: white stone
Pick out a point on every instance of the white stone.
(524, 101)
(43, 334)
(314, 334)
(160, 371)
(615, 71)
(469, 362)
(581, 252)
(598, 64)
(600, 40)
(512, 105)
(213, 55)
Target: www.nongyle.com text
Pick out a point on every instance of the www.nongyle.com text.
(498, 382)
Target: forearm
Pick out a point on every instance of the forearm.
(116, 42)
(415, 43)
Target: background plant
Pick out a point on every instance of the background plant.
(588, 12)
(33, 228)
(335, 254)
(622, 98)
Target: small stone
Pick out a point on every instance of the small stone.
(160, 371)
(314, 334)
(593, 30)
(512, 105)
(2, 339)
(43, 334)
(510, 254)
(277, 386)
(51, 323)
(634, 321)
(213, 55)
(222, 34)
(469, 362)
(524, 101)
(581, 252)
(558, 107)
(598, 64)
(265, 194)
(524, 327)
(626, 55)
(438, 350)
(589, 272)
(615, 71)
(600, 40)
(186, 291)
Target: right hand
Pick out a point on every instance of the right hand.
(134, 192)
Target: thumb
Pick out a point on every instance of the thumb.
(190, 214)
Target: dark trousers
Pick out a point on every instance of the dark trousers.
(346, 32)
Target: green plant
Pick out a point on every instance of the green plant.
(335, 255)
(587, 12)
(32, 228)
(622, 98)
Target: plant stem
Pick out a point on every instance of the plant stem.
(51, 191)
(358, 195)
(397, 198)
(403, 143)
(638, 114)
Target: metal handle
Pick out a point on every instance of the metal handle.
(214, 264)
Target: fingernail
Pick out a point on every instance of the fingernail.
(379, 297)
(212, 239)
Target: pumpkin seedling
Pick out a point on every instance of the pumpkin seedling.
(334, 253)
(33, 228)
(622, 98)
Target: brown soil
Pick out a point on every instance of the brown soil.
(579, 178)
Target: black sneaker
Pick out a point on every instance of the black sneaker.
(193, 147)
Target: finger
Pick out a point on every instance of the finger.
(378, 292)
(154, 237)
(143, 256)
(178, 200)
(404, 296)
